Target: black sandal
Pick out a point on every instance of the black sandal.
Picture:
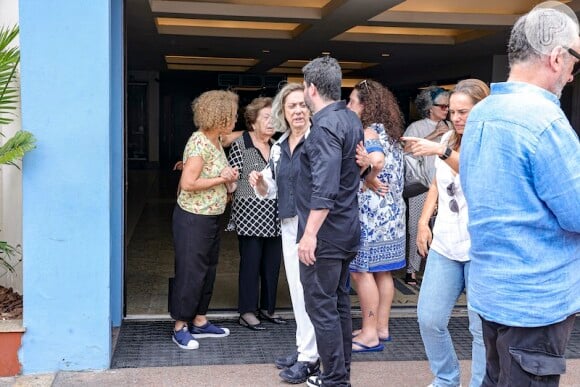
(409, 280)
(255, 327)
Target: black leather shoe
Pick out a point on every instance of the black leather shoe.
(286, 361)
(273, 319)
(254, 327)
(300, 372)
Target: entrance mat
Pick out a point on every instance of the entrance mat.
(148, 344)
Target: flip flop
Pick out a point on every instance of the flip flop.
(385, 339)
(365, 348)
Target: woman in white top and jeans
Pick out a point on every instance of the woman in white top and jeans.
(447, 268)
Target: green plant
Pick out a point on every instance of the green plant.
(21, 142)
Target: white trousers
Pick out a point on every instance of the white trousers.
(305, 336)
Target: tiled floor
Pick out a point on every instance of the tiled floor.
(150, 203)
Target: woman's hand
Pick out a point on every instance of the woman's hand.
(440, 129)
(422, 147)
(178, 166)
(424, 238)
(255, 178)
(376, 186)
(362, 157)
(230, 174)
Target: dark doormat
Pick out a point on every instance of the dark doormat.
(148, 344)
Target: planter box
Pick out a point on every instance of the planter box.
(11, 332)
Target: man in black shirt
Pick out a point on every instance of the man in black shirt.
(328, 223)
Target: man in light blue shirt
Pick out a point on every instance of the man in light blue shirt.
(520, 171)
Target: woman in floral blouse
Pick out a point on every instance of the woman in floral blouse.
(203, 187)
(382, 213)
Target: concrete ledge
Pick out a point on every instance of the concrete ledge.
(11, 326)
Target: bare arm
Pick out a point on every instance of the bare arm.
(423, 147)
(227, 139)
(424, 234)
(377, 163)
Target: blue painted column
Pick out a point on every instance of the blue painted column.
(117, 163)
(72, 181)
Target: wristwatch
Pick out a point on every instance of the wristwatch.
(446, 153)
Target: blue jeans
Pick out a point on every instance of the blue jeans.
(443, 282)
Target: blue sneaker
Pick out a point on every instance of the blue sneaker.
(183, 339)
(208, 330)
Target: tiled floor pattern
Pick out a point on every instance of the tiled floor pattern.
(148, 344)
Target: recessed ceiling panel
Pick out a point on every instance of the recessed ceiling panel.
(226, 28)
(501, 7)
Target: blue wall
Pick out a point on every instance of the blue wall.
(117, 162)
(72, 182)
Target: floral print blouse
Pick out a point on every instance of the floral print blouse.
(211, 201)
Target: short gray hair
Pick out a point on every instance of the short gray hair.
(326, 75)
(426, 98)
(540, 31)
(278, 118)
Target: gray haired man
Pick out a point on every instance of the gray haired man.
(328, 224)
(519, 169)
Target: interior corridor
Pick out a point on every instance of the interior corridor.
(149, 254)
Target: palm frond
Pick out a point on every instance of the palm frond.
(16, 146)
(9, 58)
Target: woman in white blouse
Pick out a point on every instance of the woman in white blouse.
(447, 268)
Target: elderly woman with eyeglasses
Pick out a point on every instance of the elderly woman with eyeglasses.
(432, 104)
(446, 272)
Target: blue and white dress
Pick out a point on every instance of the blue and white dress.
(382, 218)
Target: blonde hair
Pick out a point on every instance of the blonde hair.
(476, 90)
(278, 118)
(215, 109)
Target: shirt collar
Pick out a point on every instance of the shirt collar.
(523, 88)
(334, 106)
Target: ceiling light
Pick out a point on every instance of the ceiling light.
(384, 55)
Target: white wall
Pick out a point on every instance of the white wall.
(11, 177)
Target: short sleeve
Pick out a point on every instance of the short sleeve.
(194, 147)
(373, 145)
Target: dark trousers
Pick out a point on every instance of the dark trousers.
(525, 356)
(260, 259)
(196, 239)
(328, 304)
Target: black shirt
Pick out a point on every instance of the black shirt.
(329, 176)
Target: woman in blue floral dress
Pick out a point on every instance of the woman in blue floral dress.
(382, 213)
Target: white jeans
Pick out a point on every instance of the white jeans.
(305, 336)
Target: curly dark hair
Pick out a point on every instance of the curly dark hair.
(380, 107)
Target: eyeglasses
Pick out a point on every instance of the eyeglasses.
(453, 206)
(576, 55)
(441, 105)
